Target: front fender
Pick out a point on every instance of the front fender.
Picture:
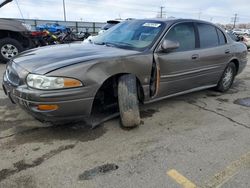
(138, 65)
(94, 73)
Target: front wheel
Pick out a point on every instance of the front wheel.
(227, 78)
(128, 101)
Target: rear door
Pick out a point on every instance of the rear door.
(214, 52)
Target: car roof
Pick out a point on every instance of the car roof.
(175, 20)
(170, 21)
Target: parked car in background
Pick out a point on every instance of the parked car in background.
(15, 37)
(246, 40)
(240, 38)
(241, 31)
(233, 35)
(109, 24)
(52, 28)
(136, 61)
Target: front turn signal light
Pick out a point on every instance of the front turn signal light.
(68, 82)
(45, 107)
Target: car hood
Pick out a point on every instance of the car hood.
(46, 59)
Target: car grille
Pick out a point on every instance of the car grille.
(12, 76)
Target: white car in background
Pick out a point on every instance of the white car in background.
(241, 31)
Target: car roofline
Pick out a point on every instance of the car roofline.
(175, 20)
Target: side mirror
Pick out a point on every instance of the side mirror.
(168, 45)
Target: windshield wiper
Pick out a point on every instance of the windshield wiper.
(115, 44)
(124, 44)
(110, 44)
(106, 44)
(99, 43)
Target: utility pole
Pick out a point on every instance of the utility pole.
(199, 15)
(161, 12)
(64, 11)
(20, 11)
(235, 19)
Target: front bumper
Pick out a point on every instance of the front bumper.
(72, 105)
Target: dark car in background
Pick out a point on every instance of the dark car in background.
(108, 25)
(14, 38)
(132, 63)
(111, 23)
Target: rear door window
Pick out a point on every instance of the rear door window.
(208, 35)
(183, 33)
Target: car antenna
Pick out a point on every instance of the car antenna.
(20, 11)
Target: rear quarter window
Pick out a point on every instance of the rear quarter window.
(221, 36)
(208, 35)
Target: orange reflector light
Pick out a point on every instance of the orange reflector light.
(71, 83)
(44, 107)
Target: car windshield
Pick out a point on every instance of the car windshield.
(134, 35)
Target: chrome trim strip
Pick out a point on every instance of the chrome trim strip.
(180, 93)
(189, 72)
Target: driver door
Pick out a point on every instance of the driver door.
(178, 68)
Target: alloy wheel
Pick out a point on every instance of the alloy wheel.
(228, 77)
(8, 51)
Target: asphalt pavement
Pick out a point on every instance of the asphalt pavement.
(195, 140)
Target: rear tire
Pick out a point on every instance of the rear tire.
(227, 78)
(9, 48)
(128, 101)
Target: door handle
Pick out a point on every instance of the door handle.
(227, 51)
(195, 56)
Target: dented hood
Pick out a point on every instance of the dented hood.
(46, 59)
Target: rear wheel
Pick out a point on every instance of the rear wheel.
(128, 101)
(227, 78)
(9, 48)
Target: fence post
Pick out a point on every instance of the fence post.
(94, 27)
(77, 27)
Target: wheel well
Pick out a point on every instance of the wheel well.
(107, 95)
(236, 62)
(15, 35)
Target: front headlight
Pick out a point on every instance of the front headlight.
(49, 82)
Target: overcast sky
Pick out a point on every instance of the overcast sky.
(218, 11)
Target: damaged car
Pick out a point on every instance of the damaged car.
(133, 63)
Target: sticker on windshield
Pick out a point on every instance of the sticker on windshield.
(151, 25)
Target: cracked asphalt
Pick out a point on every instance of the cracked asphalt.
(199, 139)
